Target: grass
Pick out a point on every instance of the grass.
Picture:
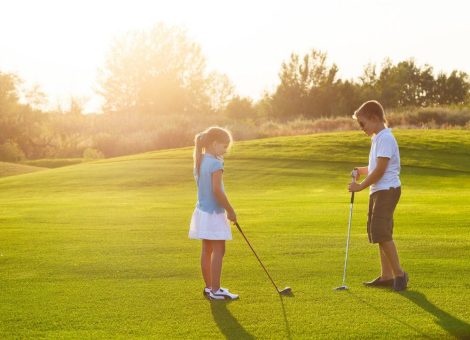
(54, 162)
(12, 169)
(100, 249)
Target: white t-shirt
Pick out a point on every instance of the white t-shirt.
(384, 144)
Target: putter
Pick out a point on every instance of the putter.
(285, 291)
(343, 286)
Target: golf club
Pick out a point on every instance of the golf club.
(285, 291)
(343, 286)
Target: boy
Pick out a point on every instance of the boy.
(382, 175)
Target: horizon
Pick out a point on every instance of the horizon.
(241, 39)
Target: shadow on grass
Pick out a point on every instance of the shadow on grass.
(452, 325)
(228, 325)
(286, 322)
(231, 328)
(380, 311)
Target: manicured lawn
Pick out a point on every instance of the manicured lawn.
(12, 169)
(100, 249)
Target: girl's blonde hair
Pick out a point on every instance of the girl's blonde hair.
(206, 138)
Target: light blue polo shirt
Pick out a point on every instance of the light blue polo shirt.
(205, 197)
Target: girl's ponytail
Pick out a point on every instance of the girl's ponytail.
(197, 155)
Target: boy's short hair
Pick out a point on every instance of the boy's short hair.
(369, 109)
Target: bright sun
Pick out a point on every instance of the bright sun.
(61, 44)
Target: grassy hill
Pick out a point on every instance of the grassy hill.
(12, 169)
(100, 249)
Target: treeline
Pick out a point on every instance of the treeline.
(311, 88)
(158, 94)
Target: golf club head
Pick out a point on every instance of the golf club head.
(285, 291)
(342, 288)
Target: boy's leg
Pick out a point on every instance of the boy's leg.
(386, 267)
(382, 205)
(206, 255)
(390, 251)
(218, 251)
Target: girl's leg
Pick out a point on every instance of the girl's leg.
(206, 254)
(218, 251)
(386, 268)
(391, 254)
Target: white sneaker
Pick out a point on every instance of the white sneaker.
(206, 292)
(221, 294)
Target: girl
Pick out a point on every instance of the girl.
(209, 222)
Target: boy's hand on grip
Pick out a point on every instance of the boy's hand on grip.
(355, 174)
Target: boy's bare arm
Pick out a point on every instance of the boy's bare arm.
(363, 170)
(372, 177)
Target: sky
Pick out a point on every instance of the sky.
(61, 44)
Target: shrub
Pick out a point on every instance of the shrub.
(11, 152)
(437, 117)
(303, 126)
(90, 153)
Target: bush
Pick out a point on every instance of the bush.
(437, 117)
(91, 153)
(303, 126)
(11, 152)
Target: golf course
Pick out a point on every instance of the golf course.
(101, 250)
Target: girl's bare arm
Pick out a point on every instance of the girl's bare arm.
(220, 195)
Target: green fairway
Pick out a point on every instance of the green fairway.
(11, 169)
(100, 249)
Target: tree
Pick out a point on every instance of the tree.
(406, 84)
(9, 99)
(368, 83)
(23, 129)
(453, 89)
(220, 91)
(76, 105)
(240, 108)
(35, 97)
(9, 107)
(159, 71)
(307, 87)
(348, 96)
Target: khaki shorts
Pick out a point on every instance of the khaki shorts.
(382, 204)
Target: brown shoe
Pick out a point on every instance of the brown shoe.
(401, 282)
(378, 282)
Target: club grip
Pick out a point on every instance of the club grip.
(353, 175)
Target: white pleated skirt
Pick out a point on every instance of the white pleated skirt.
(207, 226)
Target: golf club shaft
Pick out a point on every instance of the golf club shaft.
(349, 229)
(261, 263)
(347, 239)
